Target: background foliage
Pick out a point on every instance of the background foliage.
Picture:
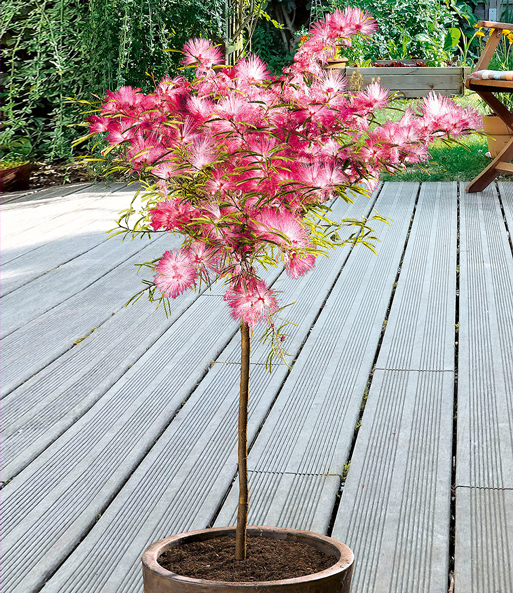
(435, 31)
(52, 49)
(426, 29)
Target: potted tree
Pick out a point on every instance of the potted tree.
(244, 166)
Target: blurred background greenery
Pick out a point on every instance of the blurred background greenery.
(53, 49)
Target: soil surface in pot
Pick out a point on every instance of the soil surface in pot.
(267, 560)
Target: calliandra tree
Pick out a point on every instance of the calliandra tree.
(244, 167)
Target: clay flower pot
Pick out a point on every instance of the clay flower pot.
(336, 579)
(15, 178)
(498, 133)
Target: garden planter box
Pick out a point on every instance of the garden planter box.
(414, 81)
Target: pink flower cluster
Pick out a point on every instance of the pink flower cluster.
(337, 28)
(239, 160)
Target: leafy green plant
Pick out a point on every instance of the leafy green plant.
(426, 29)
(53, 49)
(267, 45)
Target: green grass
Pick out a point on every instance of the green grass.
(447, 163)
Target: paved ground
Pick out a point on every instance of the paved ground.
(392, 430)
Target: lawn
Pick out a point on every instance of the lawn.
(447, 163)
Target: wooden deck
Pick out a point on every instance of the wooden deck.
(392, 430)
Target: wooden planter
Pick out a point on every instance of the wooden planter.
(497, 132)
(336, 63)
(412, 82)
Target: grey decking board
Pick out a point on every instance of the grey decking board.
(41, 194)
(506, 195)
(66, 487)
(484, 540)
(311, 290)
(63, 282)
(20, 220)
(38, 343)
(426, 290)
(177, 487)
(484, 460)
(38, 412)
(485, 385)
(46, 245)
(310, 427)
(395, 508)
(399, 483)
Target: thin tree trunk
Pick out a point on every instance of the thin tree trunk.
(242, 514)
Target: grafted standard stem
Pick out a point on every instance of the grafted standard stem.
(242, 513)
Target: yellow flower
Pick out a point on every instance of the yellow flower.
(506, 31)
(480, 34)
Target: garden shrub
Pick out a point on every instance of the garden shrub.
(53, 49)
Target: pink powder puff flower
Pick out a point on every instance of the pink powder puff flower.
(163, 215)
(352, 20)
(202, 256)
(201, 52)
(200, 109)
(188, 131)
(98, 124)
(219, 182)
(174, 274)
(125, 99)
(297, 266)
(165, 170)
(280, 227)
(203, 152)
(373, 97)
(251, 301)
(120, 130)
(172, 215)
(331, 83)
(251, 70)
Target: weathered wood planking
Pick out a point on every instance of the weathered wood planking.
(414, 82)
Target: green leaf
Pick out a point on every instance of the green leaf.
(452, 38)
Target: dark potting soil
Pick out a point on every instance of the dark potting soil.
(267, 560)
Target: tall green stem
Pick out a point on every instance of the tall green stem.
(242, 513)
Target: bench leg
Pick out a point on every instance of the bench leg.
(484, 179)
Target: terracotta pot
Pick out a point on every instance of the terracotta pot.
(497, 132)
(15, 178)
(336, 579)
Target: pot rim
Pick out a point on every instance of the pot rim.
(344, 562)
